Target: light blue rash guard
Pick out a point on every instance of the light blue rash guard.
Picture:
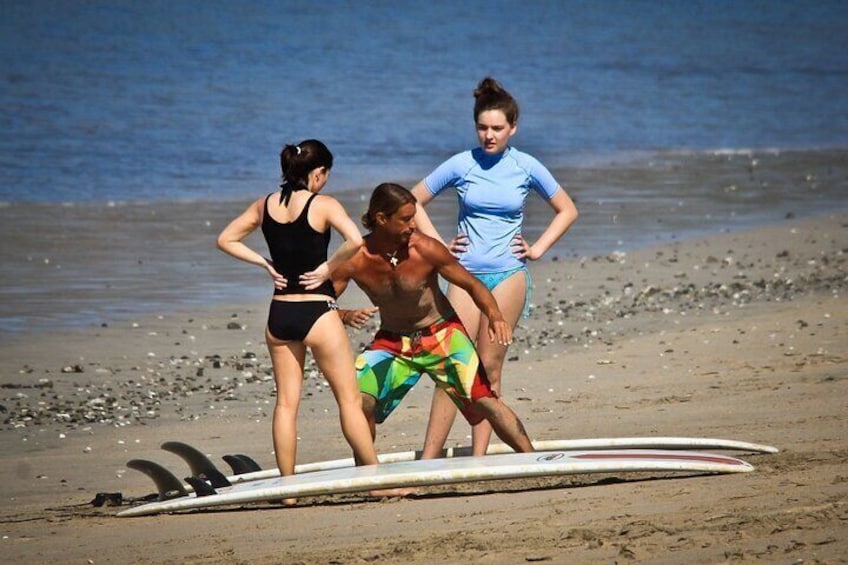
(491, 190)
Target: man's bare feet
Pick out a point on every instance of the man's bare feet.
(393, 492)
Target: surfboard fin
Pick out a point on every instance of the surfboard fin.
(168, 485)
(201, 487)
(200, 465)
(241, 464)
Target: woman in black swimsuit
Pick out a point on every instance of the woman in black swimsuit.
(296, 223)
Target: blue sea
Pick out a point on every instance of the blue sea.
(158, 100)
(120, 104)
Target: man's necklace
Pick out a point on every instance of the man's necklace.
(393, 260)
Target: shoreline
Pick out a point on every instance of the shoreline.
(90, 265)
(738, 336)
(342, 184)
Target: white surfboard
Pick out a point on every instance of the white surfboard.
(541, 445)
(447, 471)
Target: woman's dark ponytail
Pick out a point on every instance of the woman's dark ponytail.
(297, 161)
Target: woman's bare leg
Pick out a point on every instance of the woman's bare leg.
(330, 347)
(287, 358)
(510, 296)
(335, 359)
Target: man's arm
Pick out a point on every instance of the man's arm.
(357, 318)
(449, 268)
(340, 278)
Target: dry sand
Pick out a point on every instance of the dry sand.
(739, 336)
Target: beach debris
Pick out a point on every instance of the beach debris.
(89, 393)
(107, 499)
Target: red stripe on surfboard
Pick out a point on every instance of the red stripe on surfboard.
(674, 456)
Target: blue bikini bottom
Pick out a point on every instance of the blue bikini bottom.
(492, 280)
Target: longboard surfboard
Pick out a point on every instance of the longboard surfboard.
(589, 444)
(447, 471)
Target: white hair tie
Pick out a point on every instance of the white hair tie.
(298, 149)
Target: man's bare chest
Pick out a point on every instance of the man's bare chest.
(397, 284)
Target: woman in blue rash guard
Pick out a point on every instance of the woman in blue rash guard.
(492, 183)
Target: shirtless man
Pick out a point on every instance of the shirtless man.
(398, 268)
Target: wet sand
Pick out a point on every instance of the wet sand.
(88, 264)
(735, 335)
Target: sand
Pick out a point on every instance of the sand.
(738, 335)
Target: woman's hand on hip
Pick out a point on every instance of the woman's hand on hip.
(458, 245)
(521, 248)
(280, 282)
(314, 279)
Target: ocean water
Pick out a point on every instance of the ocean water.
(131, 132)
(122, 100)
